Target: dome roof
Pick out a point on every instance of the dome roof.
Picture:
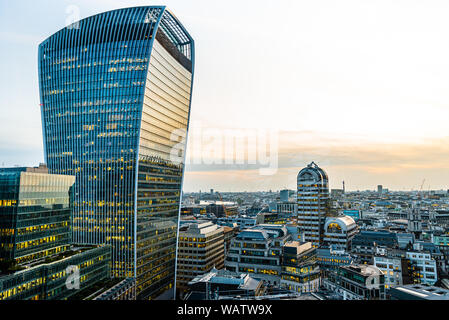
(345, 222)
(312, 173)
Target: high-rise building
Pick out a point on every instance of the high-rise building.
(201, 248)
(115, 94)
(35, 213)
(379, 189)
(37, 260)
(313, 203)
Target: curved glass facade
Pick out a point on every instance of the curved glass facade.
(115, 98)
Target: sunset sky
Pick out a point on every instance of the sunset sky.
(359, 87)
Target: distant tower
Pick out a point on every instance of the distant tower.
(379, 189)
(415, 221)
(343, 186)
(284, 195)
(313, 203)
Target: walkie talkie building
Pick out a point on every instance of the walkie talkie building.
(115, 94)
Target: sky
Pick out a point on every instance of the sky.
(360, 87)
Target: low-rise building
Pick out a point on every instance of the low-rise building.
(357, 282)
(228, 234)
(391, 267)
(330, 258)
(271, 218)
(123, 290)
(58, 277)
(218, 284)
(418, 292)
(424, 267)
(340, 231)
(287, 208)
(243, 222)
(364, 244)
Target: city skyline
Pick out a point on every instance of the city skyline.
(379, 89)
(224, 151)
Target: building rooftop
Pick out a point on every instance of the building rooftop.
(300, 247)
(250, 234)
(423, 292)
(364, 269)
(42, 168)
(241, 280)
(200, 227)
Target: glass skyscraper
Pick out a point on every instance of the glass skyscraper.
(115, 94)
(34, 214)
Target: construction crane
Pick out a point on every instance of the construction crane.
(418, 195)
(224, 207)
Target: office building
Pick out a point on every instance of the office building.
(122, 290)
(357, 282)
(228, 234)
(330, 258)
(391, 267)
(287, 208)
(424, 267)
(270, 218)
(418, 292)
(258, 251)
(300, 270)
(354, 214)
(284, 195)
(193, 210)
(364, 244)
(221, 284)
(242, 222)
(34, 213)
(222, 210)
(47, 279)
(200, 248)
(313, 203)
(115, 97)
(405, 239)
(37, 259)
(339, 231)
